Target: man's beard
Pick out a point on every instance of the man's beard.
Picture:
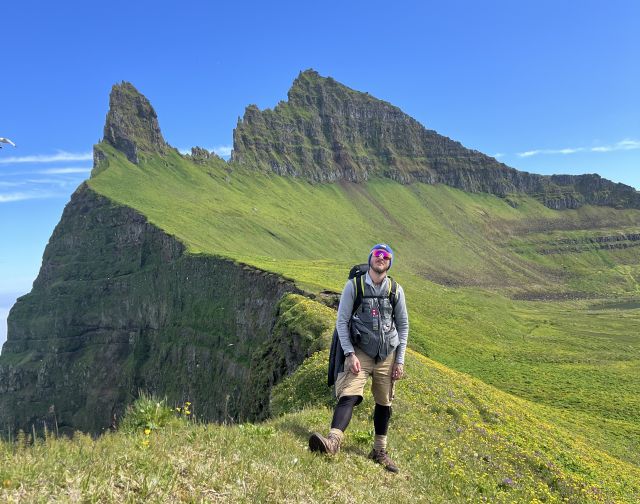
(379, 269)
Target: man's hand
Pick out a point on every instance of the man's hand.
(353, 363)
(397, 371)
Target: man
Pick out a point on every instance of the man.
(374, 340)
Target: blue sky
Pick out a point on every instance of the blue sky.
(547, 87)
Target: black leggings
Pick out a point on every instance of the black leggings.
(344, 410)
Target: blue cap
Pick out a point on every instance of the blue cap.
(382, 246)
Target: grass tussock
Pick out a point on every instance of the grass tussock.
(149, 414)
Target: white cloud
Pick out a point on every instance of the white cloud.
(626, 144)
(498, 155)
(48, 171)
(41, 184)
(567, 150)
(62, 183)
(21, 196)
(59, 171)
(621, 145)
(17, 196)
(49, 158)
(46, 181)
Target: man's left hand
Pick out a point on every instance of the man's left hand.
(397, 371)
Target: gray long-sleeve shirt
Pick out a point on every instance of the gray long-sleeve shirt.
(400, 316)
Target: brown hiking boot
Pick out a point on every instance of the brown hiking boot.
(329, 444)
(382, 458)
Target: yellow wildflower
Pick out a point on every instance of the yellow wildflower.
(147, 431)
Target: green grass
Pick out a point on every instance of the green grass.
(455, 439)
(285, 224)
(462, 259)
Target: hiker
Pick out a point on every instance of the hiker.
(371, 332)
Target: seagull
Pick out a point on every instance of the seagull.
(6, 140)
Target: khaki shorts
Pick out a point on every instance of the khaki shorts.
(382, 386)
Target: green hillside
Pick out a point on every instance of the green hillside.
(456, 439)
(470, 264)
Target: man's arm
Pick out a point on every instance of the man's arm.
(402, 324)
(344, 315)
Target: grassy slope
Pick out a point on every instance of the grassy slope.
(456, 439)
(565, 355)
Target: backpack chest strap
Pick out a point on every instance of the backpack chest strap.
(358, 282)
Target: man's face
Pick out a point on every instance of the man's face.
(379, 263)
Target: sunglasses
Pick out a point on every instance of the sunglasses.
(381, 253)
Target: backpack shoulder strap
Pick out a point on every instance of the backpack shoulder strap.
(393, 291)
(358, 282)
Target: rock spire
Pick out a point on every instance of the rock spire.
(132, 123)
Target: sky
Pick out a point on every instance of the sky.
(545, 87)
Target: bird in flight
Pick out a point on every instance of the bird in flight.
(6, 140)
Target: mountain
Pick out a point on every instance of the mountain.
(211, 281)
(326, 132)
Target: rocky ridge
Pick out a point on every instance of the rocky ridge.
(326, 132)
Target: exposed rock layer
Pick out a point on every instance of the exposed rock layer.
(573, 245)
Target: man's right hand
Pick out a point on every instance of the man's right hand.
(353, 363)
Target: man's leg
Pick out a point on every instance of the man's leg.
(381, 417)
(344, 411)
(349, 389)
(341, 417)
(382, 387)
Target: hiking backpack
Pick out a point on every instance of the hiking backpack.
(336, 354)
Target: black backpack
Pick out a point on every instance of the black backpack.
(336, 354)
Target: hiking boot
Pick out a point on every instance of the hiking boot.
(382, 458)
(329, 444)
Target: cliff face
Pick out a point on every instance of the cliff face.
(327, 132)
(118, 306)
